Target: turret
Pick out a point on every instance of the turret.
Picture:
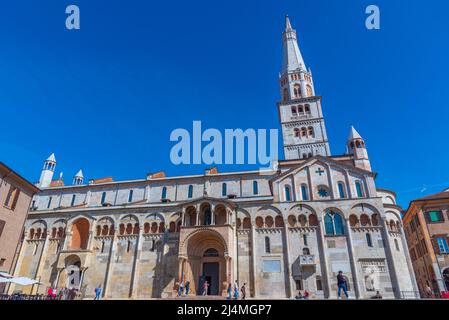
(78, 179)
(356, 146)
(47, 171)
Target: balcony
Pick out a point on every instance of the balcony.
(307, 261)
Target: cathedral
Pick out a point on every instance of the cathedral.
(293, 228)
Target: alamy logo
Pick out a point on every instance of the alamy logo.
(372, 22)
(229, 149)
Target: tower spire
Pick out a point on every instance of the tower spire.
(303, 129)
(47, 171)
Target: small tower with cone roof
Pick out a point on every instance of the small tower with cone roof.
(47, 172)
(356, 146)
(78, 179)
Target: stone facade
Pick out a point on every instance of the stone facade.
(279, 232)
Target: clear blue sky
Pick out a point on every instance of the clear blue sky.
(106, 98)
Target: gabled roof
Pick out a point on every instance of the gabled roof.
(326, 160)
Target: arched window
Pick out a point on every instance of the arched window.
(341, 190)
(136, 228)
(304, 193)
(333, 223)
(291, 221)
(368, 240)
(353, 220)
(306, 251)
(255, 188)
(359, 189)
(172, 227)
(72, 203)
(239, 223)
(288, 196)
(309, 91)
(313, 220)
(103, 198)
(296, 132)
(307, 108)
(303, 132)
(302, 219)
(300, 110)
(122, 229)
(375, 219)
(269, 221)
(154, 227)
(297, 91)
(190, 192)
(31, 235)
(285, 94)
(146, 228)
(129, 228)
(267, 245)
(310, 132)
(294, 112)
(364, 220)
(130, 195)
(246, 223)
(224, 189)
(278, 222)
(259, 222)
(98, 231)
(164, 193)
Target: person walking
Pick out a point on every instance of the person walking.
(236, 290)
(342, 285)
(187, 287)
(181, 289)
(243, 291)
(229, 291)
(205, 288)
(97, 292)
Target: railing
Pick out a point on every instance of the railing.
(307, 260)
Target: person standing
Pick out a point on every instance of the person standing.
(97, 292)
(342, 285)
(236, 290)
(187, 287)
(205, 288)
(243, 291)
(229, 291)
(49, 293)
(181, 289)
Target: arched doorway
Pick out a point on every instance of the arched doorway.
(205, 259)
(80, 234)
(72, 275)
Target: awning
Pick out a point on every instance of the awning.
(23, 281)
(5, 275)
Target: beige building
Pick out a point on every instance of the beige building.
(426, 225)
(15, 197)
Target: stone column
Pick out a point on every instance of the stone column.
(41, 263)
(253, 259)
(355, 276)
(135, 275)
(197, 207)
(110, 263)
(323, 259)
(390, 259)
(287, 259)
(409, 262)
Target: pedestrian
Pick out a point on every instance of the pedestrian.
(429, 292)
(236, 290)
(181, 289)
(342, 285)
(306, 295)
(377, 296)
(205, 288)
(49, 292)
(229, 291)
(187, 287)
(97, 292)
(54, 293)
(243, 291)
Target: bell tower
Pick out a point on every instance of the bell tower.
(356, 147)
(47, 171)
(303, 129)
